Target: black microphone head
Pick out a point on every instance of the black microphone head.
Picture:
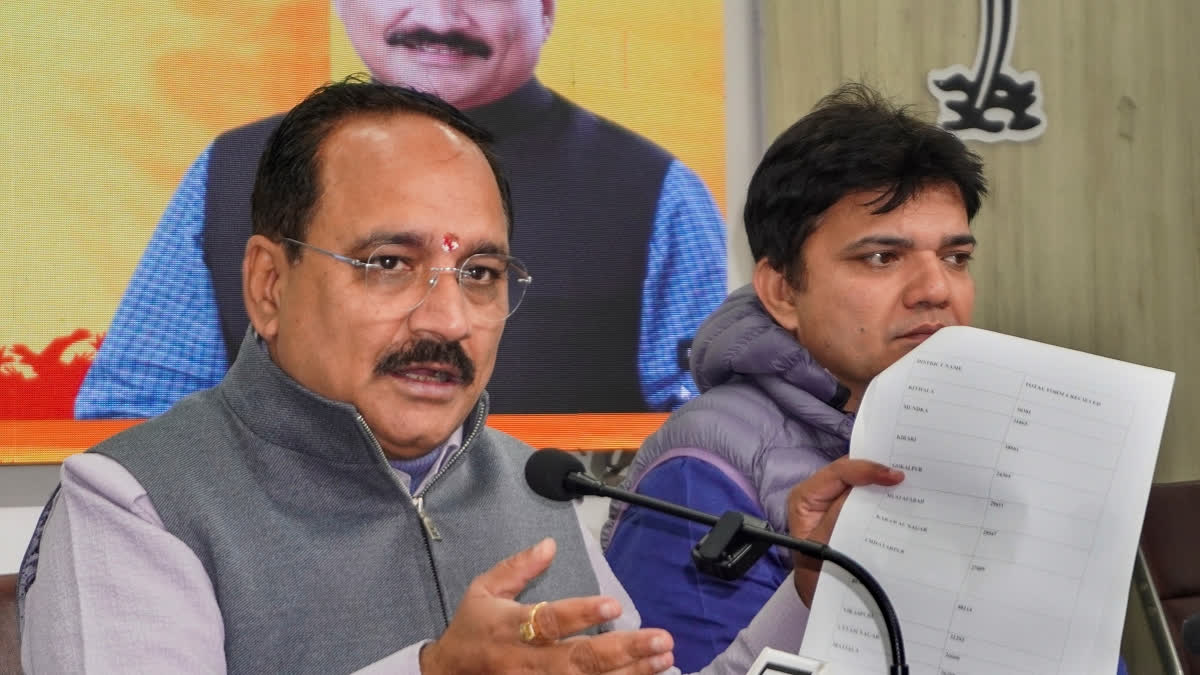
(546, 472)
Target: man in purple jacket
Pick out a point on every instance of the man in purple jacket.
(858, 216)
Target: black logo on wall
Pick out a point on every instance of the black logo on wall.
(991, 101)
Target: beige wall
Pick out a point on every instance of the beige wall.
(1091, 238)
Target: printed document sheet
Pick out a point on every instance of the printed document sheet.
(1008, 548)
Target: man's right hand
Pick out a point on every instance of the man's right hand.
(484, 635)
(814, 505)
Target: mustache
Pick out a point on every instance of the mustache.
(428, 351)
(457, 40)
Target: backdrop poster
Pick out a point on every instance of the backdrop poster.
(108, 105)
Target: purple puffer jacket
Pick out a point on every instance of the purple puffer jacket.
(763, 417)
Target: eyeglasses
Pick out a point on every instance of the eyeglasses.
(493, 283)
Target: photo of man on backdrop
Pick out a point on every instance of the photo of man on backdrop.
(625, 242)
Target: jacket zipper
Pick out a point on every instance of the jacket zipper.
(418, 500)
(362, 423)
(419, 497)
(430, 528)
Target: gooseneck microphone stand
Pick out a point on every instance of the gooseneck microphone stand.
(729, 549)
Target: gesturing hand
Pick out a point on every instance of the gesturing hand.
(814, 505)
(485, 635)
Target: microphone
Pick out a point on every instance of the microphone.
(722, 553)
(1190, 631)
(560, 476)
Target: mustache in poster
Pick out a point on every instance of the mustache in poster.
(456, 40)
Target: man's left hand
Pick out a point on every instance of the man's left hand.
(814, 505)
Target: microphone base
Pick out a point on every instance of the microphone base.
(772, 661)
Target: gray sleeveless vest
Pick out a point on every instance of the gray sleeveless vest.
(318, 556)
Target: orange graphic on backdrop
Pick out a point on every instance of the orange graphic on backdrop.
(265, 63)
(266, 60)
(43, 385)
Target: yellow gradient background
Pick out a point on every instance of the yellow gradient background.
(105, 105)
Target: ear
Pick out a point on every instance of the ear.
(264, 276)
(776, 294)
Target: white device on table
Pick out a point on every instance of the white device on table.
(775, 662)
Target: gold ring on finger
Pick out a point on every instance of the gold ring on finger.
(528, 628)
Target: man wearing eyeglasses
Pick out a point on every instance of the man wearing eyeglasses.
(628, 242)
(336, 503)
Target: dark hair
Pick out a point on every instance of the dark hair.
(853, 140)
(288, 183)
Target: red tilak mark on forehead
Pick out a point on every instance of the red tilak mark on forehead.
(449, 243)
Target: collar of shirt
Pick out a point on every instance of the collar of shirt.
(415, 472)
